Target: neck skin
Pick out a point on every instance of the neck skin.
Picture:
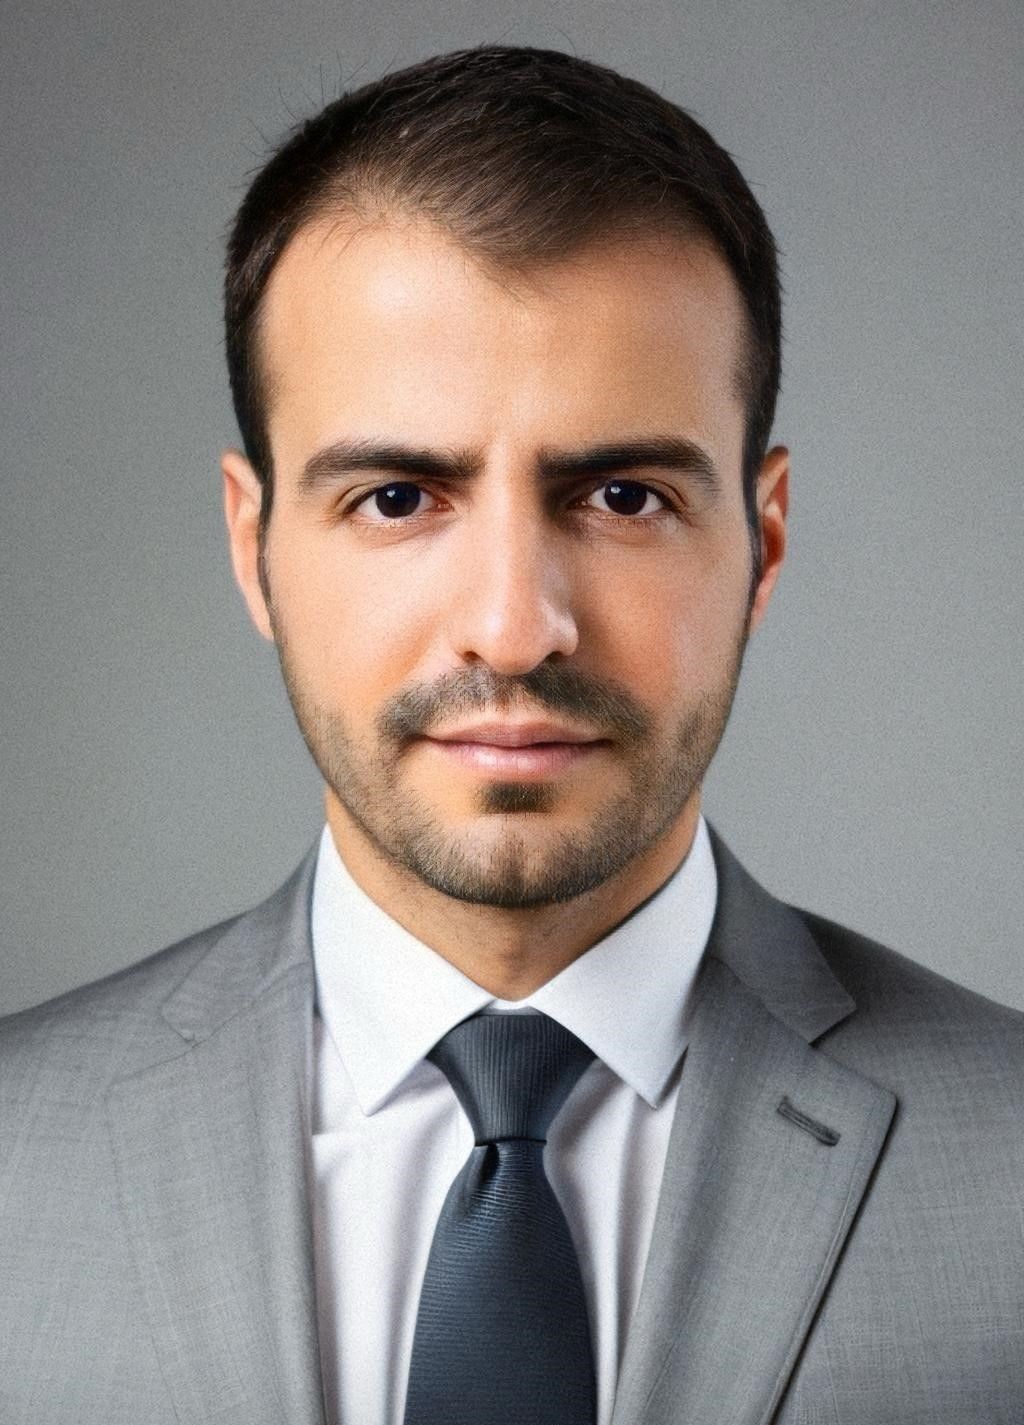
(509, 953)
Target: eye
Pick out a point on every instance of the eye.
(393, 502)
(628, 497)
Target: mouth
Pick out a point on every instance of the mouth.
(523, 753)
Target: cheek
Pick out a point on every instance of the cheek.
(353, 629)
(669, 632)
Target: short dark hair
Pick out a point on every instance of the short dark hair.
(522, 155)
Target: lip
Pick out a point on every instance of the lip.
(515, 734)
(531, 762)
(521, 752)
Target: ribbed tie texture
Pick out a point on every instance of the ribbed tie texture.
(502, 1336)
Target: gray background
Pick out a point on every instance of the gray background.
(152, 779)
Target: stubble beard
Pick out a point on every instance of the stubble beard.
(515, 870)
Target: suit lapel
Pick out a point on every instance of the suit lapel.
(771, 1151)
(772, 1148)
(211, 1150)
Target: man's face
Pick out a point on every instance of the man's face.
(505, 512)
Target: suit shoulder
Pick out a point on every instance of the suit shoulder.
(77, 1042)
(911, 1005)
(868, 968)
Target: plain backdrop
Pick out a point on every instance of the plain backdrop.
(152, 777)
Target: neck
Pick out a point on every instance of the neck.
(509, 953)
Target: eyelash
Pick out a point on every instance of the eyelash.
(635, 519)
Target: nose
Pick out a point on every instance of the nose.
(511, 595)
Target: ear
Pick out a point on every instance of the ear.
(772, 508)
(243, 498)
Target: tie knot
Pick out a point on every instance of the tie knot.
(510, 1072)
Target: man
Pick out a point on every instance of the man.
(503, 332)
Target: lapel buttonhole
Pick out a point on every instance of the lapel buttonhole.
(821, 1131)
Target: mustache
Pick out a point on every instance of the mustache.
(606, 707)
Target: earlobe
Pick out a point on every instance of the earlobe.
(243, 499)
(772, 509)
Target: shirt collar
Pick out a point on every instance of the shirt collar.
(386, 998)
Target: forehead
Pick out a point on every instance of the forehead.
(395, 325)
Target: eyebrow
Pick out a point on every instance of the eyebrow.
(347, 457)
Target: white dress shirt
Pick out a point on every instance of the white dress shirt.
(389, 1134)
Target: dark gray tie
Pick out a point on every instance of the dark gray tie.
(502, 1336)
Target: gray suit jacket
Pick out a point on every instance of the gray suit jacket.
(838, 1239)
